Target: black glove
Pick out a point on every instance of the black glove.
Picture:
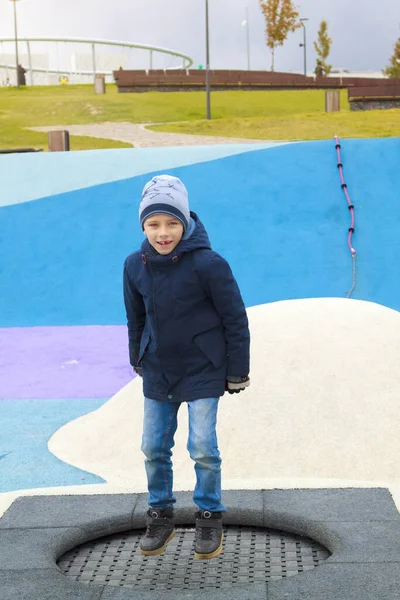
(138, 370)
(234, 385)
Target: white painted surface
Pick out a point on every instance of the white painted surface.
(322, 410)
(323, 404)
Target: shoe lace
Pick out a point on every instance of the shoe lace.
(205, 533)
(152, 530)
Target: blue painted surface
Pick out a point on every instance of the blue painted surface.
(26, 427)
(278, 215)
(31, 176)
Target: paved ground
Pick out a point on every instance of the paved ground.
(361, 529)
(140, 137)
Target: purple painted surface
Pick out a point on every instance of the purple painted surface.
(63, 362)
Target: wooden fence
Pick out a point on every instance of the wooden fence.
(136, 81)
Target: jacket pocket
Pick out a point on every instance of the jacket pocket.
(144, 342)
(212, 344)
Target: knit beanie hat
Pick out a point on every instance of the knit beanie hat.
(166, 195)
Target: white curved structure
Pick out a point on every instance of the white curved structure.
(187, 61)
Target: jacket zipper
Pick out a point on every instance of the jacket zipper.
(154, 273)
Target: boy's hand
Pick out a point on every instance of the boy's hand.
(234, 385)
(138, 370)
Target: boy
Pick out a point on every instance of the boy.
(189, 340)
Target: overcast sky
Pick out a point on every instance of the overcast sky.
(363, 31)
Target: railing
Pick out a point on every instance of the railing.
(127, 80)
(386, 91)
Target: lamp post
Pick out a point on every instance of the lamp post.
(304, 44)
(246, 24)
(16, 40)
(208, 95)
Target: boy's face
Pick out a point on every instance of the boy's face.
(163, 232)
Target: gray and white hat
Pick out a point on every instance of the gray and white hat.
(167, 195)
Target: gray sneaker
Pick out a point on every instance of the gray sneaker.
(209, 534)
(160, 530)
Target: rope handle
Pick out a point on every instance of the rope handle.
(346, 193)
(351, 209)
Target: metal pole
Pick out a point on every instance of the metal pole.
(151, 60)
(94, 62)
(30, 61)
(16, 41)
(304, 44)
(208, 66)
(248, 38)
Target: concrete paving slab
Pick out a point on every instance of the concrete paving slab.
(364, 550)
(368, 542)
(254, 592)
(44, 584)
(334, 505)
(340, 582)
(245, 505)
(97, 515)
(353, 522)
(22, 549)
(322, 532)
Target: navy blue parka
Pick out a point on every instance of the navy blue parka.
(187, 324)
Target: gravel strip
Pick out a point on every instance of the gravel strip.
(140, 137)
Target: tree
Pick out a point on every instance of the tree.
(393, 70)
(281, 18)
(323, 48)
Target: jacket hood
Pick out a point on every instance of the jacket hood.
(198, 240)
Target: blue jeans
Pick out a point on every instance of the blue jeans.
(160, 423)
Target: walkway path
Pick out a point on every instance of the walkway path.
(140, 137)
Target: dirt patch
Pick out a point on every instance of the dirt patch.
(93, 109)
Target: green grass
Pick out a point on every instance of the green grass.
(74, 105)
(259, 114)
(50, 105)
(308, 126)
(16, 137)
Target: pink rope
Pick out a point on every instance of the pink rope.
(346, 193)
